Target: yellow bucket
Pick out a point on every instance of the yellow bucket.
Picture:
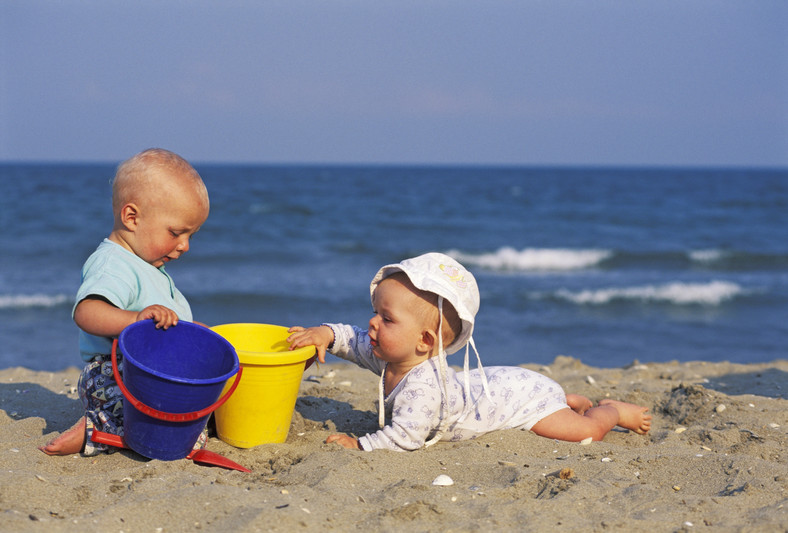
(261, 408)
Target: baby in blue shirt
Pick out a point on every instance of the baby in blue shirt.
(159, 201)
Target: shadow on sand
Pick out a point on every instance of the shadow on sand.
(28, 400)
(770, 382)
(342, 414)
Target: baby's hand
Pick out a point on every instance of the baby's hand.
(162, 316)
(346, 441)
(321, 337)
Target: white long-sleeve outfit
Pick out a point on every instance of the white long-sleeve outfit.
(519, 398)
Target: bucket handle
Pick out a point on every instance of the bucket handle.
(163, 415)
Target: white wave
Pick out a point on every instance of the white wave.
(534, 259)
(707, 256)
(11, 301)
(712, 293)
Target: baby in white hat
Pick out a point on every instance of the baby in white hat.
(421, 305)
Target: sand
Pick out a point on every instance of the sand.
(716, 459)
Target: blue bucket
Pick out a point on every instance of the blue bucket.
(172, 380)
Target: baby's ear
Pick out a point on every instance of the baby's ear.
(128, 216)
(428, 341)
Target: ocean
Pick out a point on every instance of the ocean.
(607, 265)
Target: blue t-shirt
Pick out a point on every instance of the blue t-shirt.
(128, 283)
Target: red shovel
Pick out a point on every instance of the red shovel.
(198, 456)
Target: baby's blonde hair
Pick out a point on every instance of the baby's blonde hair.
(139, 172)
(427, 310)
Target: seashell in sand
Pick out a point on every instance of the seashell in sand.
(443, 481)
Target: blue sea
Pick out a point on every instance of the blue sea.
(608, 265)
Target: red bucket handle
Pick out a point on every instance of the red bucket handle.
(163, 415)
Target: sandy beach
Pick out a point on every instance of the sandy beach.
(715, 460)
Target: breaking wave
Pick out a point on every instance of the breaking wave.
(534, 259)
(711, 294)
(19, 301)
(509, 259)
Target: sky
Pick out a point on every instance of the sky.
(525, 82)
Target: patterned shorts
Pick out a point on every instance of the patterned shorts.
(103, 402)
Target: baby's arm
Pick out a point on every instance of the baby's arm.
(97, 316)
(320, 336)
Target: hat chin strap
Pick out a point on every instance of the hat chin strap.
(381, 400)
(443, 376)
(443, 373)
(443, 370)
(485, 385)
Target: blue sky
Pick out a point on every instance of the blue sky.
(368, 81)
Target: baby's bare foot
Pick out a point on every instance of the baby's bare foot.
(630, 416)
(72, 441)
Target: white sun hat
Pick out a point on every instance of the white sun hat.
(450, 281)
(440, 274)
